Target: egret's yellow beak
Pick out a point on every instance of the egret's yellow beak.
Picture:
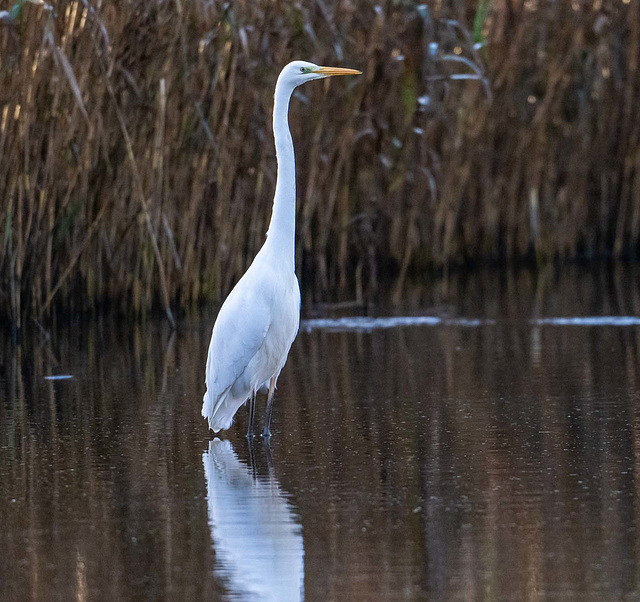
(328, 71)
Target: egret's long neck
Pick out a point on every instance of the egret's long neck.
(282, 228)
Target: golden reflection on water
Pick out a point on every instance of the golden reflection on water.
(497, 462)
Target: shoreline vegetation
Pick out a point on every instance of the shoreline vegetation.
(137, 165)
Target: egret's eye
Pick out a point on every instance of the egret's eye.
(302, 69)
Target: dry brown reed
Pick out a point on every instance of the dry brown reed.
(137, 165)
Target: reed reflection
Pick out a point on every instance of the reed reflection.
(256, 535)
(437, 462)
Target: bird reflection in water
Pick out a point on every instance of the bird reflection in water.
(256, 534)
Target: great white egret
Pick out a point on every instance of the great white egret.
(259, 319)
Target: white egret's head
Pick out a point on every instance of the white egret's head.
(299, 72)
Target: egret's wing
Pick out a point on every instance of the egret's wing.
(238, 333)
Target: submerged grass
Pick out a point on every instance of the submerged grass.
(137, 164)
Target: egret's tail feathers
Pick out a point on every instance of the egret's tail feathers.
(219, 413)
(207, 405)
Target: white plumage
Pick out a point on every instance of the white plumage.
(246, 353)
(259, 319)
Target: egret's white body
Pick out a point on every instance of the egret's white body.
(259, 319)
(251, 338)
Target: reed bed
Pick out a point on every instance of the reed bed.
(137, 165)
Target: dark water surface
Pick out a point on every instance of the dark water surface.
(488, 455)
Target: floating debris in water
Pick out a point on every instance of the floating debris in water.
(589, 321)
(364, 323)
(367, 324)
(58, 377)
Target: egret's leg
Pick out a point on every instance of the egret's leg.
(252, 413)
(266, 431)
